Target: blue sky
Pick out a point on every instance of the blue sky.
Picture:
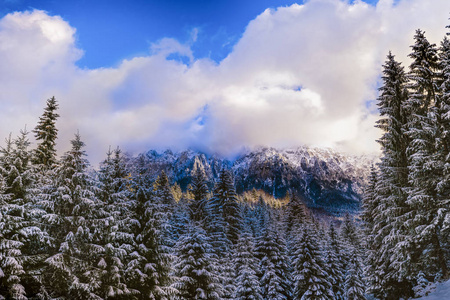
(216, 76)
(111, 30)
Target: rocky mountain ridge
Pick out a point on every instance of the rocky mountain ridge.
(323, 178)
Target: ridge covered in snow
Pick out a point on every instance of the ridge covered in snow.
(323, 178)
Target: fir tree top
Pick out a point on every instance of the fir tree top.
(46, 134)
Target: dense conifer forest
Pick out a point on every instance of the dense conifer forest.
(68, 231)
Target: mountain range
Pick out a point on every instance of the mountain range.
(322, 178)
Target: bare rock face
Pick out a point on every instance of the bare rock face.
(323, 178)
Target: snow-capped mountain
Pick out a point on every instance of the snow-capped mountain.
(323, 178)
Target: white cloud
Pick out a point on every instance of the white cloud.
(299, 74)
(168, 46)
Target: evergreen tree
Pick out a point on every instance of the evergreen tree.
(295, 215)
(310, 279)
(149, 268)
(274, 271)
(199, 190)
(250, 222)
(70, 271)
(228, 275)
(442, 220)
(421, 247)
(46, 134)
(25, 243)
(262, 216)
(179, 221)
(216, 228)
(224, 210)
(167, 204)
(443, 145)
(389, 217)
(246, 265)
(334, 264)
(423, 286)
(354, 285)
(370, 205)
(11, 268)
(114, 234)
(196, 268)
(25, 193)
(349, 231)
(163, 191)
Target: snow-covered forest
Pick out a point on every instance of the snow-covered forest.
(406, 206)
(68, 232)
(120, 232)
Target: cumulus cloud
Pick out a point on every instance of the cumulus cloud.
(301, 74)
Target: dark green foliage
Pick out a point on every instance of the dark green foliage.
(310, 278)
(224, 212)
(349, 231)
(163, 191)
(425, 165)
(114, 232)
(197, 268)
(354, 285)
(246, 265)
(46, 135)
(11, 268)
(71, 271)
(391, 210)
(262, 216)
(335, 263)
(149, 268)
(443, 143)
(274, 272)
(199, 189)
(295, 215)
(23, 244)
(406, 203)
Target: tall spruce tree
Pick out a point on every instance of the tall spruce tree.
(370, 215)
(114, 234)
(310, 279)
(21, 216)
(11, 222)
(196, 268)
(369, 204)
(295, 215)
(149, 269)
(334, 263)
(228, 275)
(392, 208)
(199, 190)
(163, 191)
(443, 148)
(354, 284)
(349, 231)
(46, 135)
(421, 248)
(262, 216)
(224, 211)
(71, 272)
(275, 274)
(246, 265)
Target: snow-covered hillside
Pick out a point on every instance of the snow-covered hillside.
(323, 178)
(442, 292)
